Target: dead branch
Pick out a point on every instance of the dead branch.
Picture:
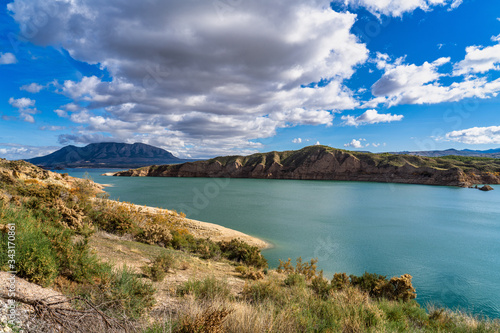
(64, 318)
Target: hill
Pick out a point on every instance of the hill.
(326, 163)
(105, 155)
(492, 153)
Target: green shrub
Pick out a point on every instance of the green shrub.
(295, 280)
(209, 289)
(120, 292)
(340, 281)
(367, 282)
(240, 251)
(321, 286)
(112, 220)
(35, 258)
(159, 267)
(267, 290)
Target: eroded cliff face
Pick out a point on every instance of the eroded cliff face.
(317, 164)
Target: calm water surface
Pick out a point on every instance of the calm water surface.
(447, 238)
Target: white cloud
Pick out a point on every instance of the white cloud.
(24, 106)
(7, 58)
(189, 71)
(355, 144)
(476, 135)
(61, 113)
(399, 7)
(21, 103)
(32, 88)
(12, 151)
(479, 59)
(52, 128)
(370, 117)
(412, 84)
(297, 140)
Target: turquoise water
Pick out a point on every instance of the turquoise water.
(447, 238)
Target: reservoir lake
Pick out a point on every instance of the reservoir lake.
(447, 238)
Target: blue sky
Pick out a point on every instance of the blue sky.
(208, 78)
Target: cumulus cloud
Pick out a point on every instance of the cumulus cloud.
(297, 140)
(355, 144)
(32, 87)
(190, 72)
(7, 58)
(400, 7)
(12, 151)
(25, 108)
(479, 59)
(412, 84)
(476, 135)
(370, 117)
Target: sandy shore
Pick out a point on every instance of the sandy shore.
(204, 229)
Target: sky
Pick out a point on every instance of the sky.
(204, 78)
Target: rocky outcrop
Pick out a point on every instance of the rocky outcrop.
(325, 163)
(486, 188)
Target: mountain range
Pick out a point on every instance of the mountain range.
(493, 153)
(106, 155)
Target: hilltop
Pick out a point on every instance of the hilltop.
(106, 155)
(326, 163)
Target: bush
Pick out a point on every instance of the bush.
(210, 321)
(120, 292)
(396, 289)
(340, 281)
(159, 267)
(35, 258)
(367, 282)
(262, 291)
(242, 252)
(155, 234)
(295, 280)
(113, 220)
(308, 269)
(208, 289)
(321, 286)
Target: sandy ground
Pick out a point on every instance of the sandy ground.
(204, 229)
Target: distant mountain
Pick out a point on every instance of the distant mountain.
(492, 153)
(106, 155)
(325, 163)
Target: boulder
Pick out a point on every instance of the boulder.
(486, 188)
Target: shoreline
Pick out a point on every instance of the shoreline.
(201, 229)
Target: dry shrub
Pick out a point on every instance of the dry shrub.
(209, 321)
(396, 289)
(249, 273)
(308, 269)
(155, 234)
(159, 267)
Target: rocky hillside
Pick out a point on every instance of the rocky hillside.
(106, 155)
(325, 163)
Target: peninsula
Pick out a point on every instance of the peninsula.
(326, 163)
